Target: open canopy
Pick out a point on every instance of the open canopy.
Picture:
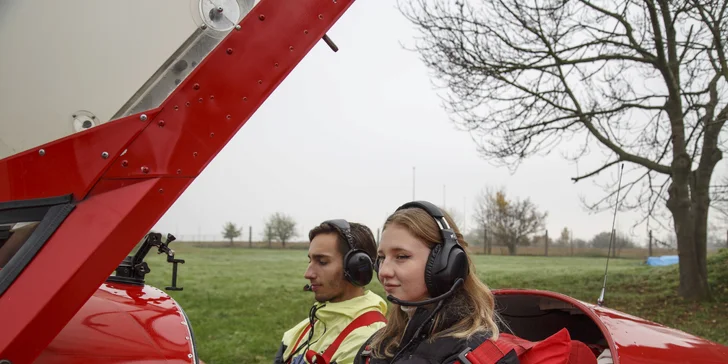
(67, 66)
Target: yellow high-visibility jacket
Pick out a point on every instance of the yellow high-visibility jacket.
(331, 319)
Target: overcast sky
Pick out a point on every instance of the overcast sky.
(339, 139)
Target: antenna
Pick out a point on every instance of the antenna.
(600, 301)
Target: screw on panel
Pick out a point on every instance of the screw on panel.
(229, 51)
(41, 152)
(229, 116)
(179, 171)
(245, 99)
(161, 123)
(212, 135)
(105, 155)
(321, 16)
(194, 154)
(260, 82)
(196, 86)
(124, 163)
(161, 190)
(143, 117)
(237, 27)
(145, 169)
(290, 48)
(261, 17)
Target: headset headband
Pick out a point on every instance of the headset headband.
(446, 231)
(344, 227)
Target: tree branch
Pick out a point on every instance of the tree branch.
(594, 173)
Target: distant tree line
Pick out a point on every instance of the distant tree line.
(278, 227)
(512, 222)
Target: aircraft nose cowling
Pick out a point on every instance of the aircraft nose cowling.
(124, 323)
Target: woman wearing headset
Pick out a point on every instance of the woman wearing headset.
(440, 307)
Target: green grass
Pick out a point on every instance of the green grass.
(240, 301)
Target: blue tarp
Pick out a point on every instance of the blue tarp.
(663, 260)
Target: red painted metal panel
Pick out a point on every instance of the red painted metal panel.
(634, 340)
(228, 86)
(123, 323)
(69, 165)
(120, 209)
(84, 250)
(640, 341)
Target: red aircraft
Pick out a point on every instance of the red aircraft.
(77, 195)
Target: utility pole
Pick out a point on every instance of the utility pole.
(571, 241)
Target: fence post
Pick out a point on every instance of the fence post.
(649, 252)
(485, 240)
(546, 253)
(378, 236)
(250, 236)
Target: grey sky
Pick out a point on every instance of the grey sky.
(339, 138)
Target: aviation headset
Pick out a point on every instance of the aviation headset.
(358, 265)
(448, 261)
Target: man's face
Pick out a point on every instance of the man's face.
(325, 268)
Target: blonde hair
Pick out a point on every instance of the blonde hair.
(474, 298)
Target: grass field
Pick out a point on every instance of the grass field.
(240, 301)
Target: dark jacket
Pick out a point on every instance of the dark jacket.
(422, 350)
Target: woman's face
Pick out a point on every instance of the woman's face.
(402, 259)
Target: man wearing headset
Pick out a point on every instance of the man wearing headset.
(345, 314)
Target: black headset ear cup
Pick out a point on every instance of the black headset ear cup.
(446, 263)
(358, 267)
(431, 286)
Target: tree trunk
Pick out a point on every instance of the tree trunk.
(690, 217)
(512, 247)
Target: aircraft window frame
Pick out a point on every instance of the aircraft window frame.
(49, 213)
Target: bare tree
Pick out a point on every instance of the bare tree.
(509, 222)
(231, 231)
(281, 227)
(643, 82)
